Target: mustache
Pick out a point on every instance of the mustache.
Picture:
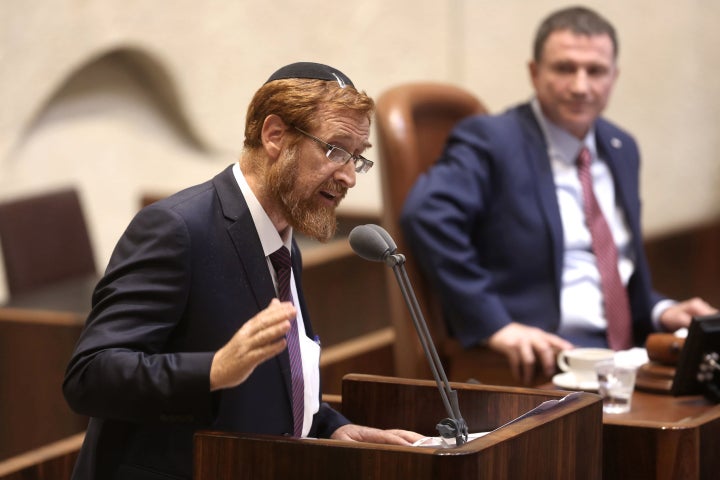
(334, 188)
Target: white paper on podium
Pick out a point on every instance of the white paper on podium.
(445, 442)
(437, 442)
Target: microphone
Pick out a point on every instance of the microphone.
(374, 243)
(370, 244)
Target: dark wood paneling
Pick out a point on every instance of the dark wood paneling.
(346, 298)
(34, 350)
(371, 353)
(686, 263)
(345, 294)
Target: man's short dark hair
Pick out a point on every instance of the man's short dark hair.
(579, 20)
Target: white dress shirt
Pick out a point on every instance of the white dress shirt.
(581, 302)
(309, 349)
(581, 295)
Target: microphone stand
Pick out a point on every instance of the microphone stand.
(454, 426)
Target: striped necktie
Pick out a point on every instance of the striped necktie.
(281, 262)
(615, 299)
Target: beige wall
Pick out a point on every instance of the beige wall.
(167, 108)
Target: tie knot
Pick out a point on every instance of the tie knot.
(280, 258)
(584, 158)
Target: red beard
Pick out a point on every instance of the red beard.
(304, 212)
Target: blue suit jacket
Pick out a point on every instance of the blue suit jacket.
(184, 277)
(485, 226)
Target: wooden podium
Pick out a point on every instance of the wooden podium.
(564, 442)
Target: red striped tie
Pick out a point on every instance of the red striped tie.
(281, 262)
(615, 299)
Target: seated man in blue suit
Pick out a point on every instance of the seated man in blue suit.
(530, 251)
(200, 320)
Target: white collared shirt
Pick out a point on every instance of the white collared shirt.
(309, 349)
(581, 305)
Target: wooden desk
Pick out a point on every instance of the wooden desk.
(663, 437)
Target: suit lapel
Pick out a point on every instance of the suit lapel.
(536, 153)
(242, 232)
(619, 158)
(611, 149)
(244, 236)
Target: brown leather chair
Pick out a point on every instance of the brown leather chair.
(44, 240)
(413, 121)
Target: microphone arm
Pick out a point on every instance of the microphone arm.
(454, 426)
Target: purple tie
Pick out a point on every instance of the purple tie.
(615, 299)
(281, 262)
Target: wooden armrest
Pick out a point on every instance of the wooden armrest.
(53, 461)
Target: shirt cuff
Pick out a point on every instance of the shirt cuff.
(658, 310)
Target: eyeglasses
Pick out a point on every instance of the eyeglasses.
(337, 155)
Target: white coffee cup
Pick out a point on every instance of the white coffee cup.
(581, 362)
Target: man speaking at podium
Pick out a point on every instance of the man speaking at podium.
(200, 321)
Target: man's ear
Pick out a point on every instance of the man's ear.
(533, 69)
(272, 135)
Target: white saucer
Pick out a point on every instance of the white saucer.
(568, 381)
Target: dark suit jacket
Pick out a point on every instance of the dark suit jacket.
(184, 277)
(485, 225)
